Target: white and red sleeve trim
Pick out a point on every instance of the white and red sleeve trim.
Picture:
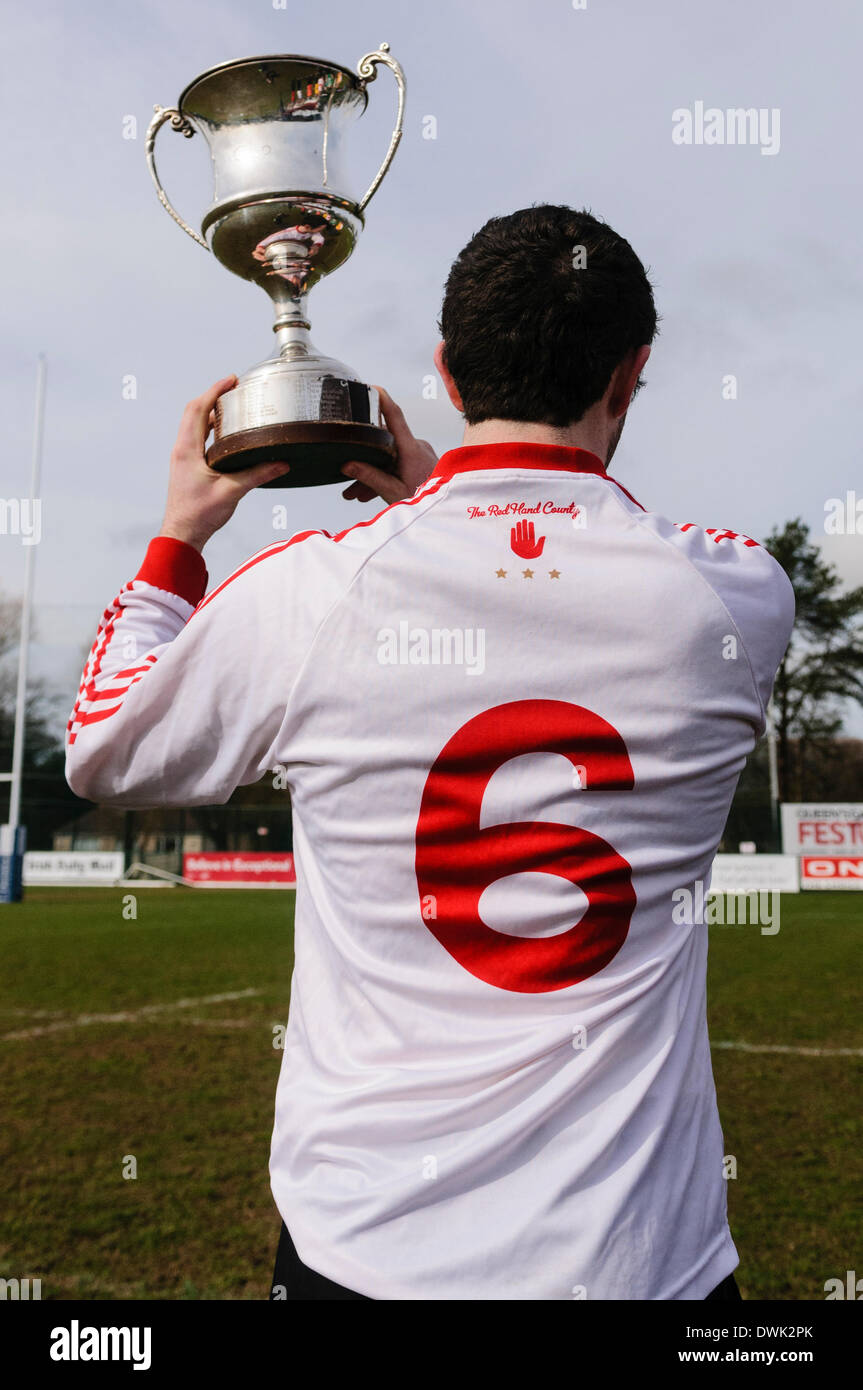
(717, 534)
(179, 572)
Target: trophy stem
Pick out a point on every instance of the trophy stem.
(292, 329)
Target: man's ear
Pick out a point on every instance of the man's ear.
(625, 379)
(450, 386)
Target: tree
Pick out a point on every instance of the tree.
(823, 666)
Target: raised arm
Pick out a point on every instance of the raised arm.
(162, 715)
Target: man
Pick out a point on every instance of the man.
(513, 709)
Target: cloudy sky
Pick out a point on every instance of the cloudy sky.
(755, 256)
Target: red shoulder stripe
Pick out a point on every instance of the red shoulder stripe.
(625, 492)
(275, 549)
(278, 546)
(405, 502)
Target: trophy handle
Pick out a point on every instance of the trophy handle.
(179, 122)
(366, 70)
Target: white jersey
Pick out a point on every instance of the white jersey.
(512, 711)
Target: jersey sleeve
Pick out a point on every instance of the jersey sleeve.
(755, 591)
(179, 705)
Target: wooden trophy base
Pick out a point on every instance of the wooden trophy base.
(315, 449)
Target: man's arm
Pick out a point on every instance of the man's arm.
(182, 698)
(158, 720)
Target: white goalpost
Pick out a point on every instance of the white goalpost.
(13, 835)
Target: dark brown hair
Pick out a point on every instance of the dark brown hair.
(539, 309)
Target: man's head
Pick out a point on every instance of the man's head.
(547, 314)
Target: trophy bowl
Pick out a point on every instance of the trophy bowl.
(286, 211)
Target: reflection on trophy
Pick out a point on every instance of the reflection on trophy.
(285, 212)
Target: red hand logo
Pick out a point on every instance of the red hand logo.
(523, 541)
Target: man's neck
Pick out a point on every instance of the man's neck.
(585, 434)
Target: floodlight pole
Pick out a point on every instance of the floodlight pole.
(773, 765)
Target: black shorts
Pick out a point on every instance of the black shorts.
(292, 1279)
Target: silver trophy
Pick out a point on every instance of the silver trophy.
(286, 212)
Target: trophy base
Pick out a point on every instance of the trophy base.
(315, 449)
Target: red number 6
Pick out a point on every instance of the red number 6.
(456, 860)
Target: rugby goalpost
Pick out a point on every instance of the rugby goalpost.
(13, 835)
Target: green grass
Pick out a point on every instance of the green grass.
(189, 1092)
(191, 1101)
(792, 1122)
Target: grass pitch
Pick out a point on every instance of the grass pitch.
(113, 1049)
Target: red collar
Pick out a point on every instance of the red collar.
(471, 458)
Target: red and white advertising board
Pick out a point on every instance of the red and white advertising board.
(822, 827)
(827, 838)
(831, 871)
(240, 869)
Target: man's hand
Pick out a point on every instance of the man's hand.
(200, 500)
(415, 460)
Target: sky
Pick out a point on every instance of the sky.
(753, 250)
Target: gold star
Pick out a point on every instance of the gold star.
(554, 574)
(501, 574)
(528, 574)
